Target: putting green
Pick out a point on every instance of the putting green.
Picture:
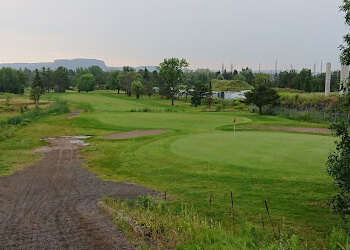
(290, 154)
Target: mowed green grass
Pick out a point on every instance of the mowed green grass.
(195, 160)
(191, 168)
(294, 156)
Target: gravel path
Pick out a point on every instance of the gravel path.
(52, 204)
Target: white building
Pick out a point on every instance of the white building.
(229, 95)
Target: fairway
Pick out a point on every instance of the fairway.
(295, 155)
(197, 158)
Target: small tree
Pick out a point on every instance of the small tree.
(198, 93)
(8, 99)
(35, 94)
(137, 88)
(261, 96)
(172, 72)
(86, 82)
(338, 167)
(37, 81)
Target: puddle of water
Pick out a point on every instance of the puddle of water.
(79, 137)
(80, 142)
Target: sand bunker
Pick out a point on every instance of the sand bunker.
(135, 133)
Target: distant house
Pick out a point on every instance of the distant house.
(229, 95)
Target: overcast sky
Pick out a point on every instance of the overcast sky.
(205, 32)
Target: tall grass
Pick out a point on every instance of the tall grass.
(157, 225)
(306, 115)
(159, 110)
(8, 126)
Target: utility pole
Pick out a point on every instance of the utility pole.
(328, 79)
(314, 69)
(276, 68)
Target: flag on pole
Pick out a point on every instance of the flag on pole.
(234, 127)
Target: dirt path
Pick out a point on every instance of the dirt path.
(293, 129)
(53, 204)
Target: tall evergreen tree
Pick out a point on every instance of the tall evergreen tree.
(38, 82)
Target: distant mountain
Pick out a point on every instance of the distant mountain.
(69, 64)
(76, 63)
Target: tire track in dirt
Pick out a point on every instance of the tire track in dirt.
(52, 204)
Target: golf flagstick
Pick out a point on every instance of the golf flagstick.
(234, 128)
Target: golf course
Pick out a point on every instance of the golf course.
(198, 160)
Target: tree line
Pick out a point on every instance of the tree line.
(172, 79)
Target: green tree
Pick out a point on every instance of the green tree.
(172, 72)
(125, 79)
(112, 81)
(248, 74)
(37, 81)
(240, 78)
(261, 79)
(147, 83)
(338, 164)
(61, 80)
(261, 96)
(286, 79)
(99, 76)
(86, 82)
(198, 93)
(35, 94)
(81, 71)
(345, 47)
(47, 79)
(220, 77)
(137, 88)
(12, 81)
(304, 80)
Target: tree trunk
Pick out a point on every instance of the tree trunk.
(172, 100)
(260, 112)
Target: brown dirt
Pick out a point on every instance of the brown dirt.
(134, 133)
(293, 129)
(52, 204)
(75, 113)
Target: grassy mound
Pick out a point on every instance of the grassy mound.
(230, 85)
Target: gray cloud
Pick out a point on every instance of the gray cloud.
(206, 33)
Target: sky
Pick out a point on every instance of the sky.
(207, 33)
